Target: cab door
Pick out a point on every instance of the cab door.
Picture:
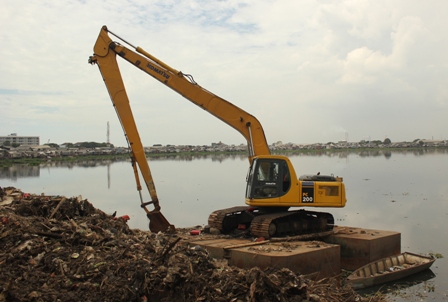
(268, 178)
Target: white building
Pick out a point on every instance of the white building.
(19, 140)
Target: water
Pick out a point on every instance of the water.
(404, 192)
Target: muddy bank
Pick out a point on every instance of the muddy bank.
(54, 248)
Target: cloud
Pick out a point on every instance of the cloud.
(302, 68)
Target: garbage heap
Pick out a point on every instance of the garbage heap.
(54, 248)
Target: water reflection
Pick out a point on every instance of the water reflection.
(387, 153)
(20, 170)
(221, 157)
(15, 172)
(85, 163)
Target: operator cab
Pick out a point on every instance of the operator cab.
(268, 178)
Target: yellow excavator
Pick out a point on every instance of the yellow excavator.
(272, 183)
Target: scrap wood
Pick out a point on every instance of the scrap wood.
(168, 249)
(57, 207)
(5, 290)
(235, 246)
(52, 235)
(303, 237)
(89, 262)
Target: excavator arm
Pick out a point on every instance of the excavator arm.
(107, 63)
(105, 52)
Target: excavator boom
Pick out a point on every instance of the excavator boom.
(185, 85)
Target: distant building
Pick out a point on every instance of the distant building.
(13, 138)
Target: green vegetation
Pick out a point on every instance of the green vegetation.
(9, 144)
(436, 255)
(7, 162)
(91, 145)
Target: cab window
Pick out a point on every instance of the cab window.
(270, 179)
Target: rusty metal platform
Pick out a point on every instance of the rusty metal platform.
(303, 257)
(348, 248)
(361, 246)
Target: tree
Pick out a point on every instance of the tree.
(91, 145)
(6, 143)
(387, 141)
(52, 145)
(69, 145)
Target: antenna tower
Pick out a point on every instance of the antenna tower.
(108, 133)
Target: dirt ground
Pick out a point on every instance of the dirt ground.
(54, 248)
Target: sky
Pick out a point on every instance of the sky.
(310, 71)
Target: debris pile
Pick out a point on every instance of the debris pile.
(54, 248)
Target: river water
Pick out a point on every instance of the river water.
(403, 191)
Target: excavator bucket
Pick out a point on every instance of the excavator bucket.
(158, 223)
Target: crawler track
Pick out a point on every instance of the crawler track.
(267, 225)
(226, 220)
(291, 223)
